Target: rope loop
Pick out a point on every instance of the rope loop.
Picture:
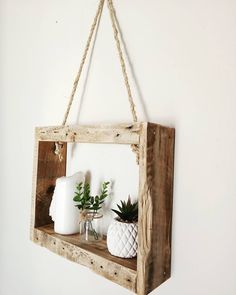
(77, 78)
(93, 28)
(120, 53)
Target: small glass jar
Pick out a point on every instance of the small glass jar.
(91, 227)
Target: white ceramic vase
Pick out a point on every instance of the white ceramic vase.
(122, 239)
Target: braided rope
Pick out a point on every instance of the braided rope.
(94, 25)
(135, 148)
(122, 61)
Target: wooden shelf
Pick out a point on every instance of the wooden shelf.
(156, 169)
(93, 255)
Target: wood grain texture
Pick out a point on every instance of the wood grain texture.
(155, 206)
(34, 187)
(156, 153)
(49, 168)
(119, 134)
(92, 255)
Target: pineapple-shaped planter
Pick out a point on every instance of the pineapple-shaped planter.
(122, 235)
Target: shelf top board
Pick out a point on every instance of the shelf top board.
(117, 134)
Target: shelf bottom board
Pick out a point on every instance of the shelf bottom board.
(93, 255)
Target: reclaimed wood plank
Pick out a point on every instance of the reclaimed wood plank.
(118, 134)
(48, 169)
(155, 206)
(94, 256)
(156, 152)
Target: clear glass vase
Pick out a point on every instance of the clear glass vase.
(91, 227)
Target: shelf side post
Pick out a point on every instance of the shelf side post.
(47, 168)
(155, 206)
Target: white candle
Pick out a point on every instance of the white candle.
(62, 209)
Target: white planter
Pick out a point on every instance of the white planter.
(122, 239)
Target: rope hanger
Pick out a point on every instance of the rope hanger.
(93, 28)
(122, 61)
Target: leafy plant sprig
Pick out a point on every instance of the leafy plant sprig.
(87, 202)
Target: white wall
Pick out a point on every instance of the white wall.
(183, 57)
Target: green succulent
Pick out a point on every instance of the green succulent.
(128, 211)
(87, 202)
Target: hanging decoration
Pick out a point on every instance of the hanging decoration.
(150, 225)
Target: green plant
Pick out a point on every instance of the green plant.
(128, 211)
(87, 202)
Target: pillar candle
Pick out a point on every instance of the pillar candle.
(62, 209)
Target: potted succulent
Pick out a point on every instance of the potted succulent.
(89, 206)
(122, 235)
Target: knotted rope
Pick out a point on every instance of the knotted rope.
(77, 78)
(122, 61)
(95, 23)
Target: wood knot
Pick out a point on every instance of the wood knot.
(129, 127)
(50, 189)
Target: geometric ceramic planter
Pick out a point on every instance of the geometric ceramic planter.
(122, 239)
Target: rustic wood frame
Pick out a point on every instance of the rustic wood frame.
(156, 155)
